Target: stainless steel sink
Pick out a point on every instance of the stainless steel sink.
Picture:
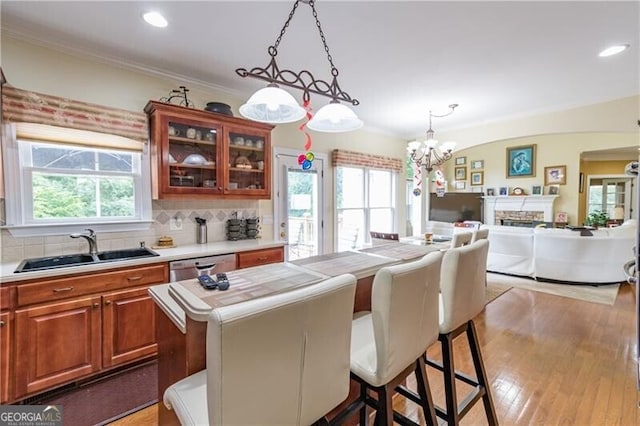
(54, 262)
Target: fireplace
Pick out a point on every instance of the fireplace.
(518, 209)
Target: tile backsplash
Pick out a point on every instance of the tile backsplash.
(215, 211)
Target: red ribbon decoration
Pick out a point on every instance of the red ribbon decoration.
(305, 105)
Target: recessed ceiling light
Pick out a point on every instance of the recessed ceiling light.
(155, 19)
(613, 50)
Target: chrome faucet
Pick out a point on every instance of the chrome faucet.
(92, 239)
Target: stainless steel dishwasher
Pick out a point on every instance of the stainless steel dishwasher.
(192, 268)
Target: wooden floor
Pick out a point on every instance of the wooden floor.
(551, 361)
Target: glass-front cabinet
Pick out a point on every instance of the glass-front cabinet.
(205, 154)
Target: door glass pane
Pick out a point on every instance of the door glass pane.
(302, 213)
(351, 229)
(349, 187)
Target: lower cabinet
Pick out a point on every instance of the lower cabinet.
(128, 325)
(56, 344)
(61, 341)
(5, 350)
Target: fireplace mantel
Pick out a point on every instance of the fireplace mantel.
(518, 203)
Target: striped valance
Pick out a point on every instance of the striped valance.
(31, 107)
(340, 157)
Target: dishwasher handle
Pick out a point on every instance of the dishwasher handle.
(201, 267)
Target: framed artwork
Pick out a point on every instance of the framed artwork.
(461, 161)
(521, 161)
(491, 192)
(504, 190)
(461, 173)
(536, 190)
(477, 165)
(554, 189)
(461, 185)
(561, 217)
(476, 189)
(555, 175)
(477, 178)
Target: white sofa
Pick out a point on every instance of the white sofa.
(562, 254)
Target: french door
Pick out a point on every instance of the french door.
(299, 204)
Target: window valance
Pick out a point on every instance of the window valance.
(341, 157)
(32, 107)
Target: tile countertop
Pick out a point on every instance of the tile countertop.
(7, 273)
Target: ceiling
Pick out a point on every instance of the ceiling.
(498, 60)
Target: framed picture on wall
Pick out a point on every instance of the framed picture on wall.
(461, 173)
(461, 185)
(461, 161)
(521, 161)
(555, 175)
(491, 192)
(477, 165)
(554, 189)
(477, 178)
(536, 190)
(504, 190)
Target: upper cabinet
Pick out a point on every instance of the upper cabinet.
(206, 154)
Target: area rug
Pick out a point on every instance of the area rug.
(604, 294)
(108, 399)
(493, 291)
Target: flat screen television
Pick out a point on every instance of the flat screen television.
(456, 207)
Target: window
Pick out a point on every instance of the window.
(605, 194)
(364, 202)
(71, 184)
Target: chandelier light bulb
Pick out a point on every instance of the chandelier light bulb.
(334, 118)
(272, 105)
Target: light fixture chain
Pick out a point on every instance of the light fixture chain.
(286, 24)
(322, 37)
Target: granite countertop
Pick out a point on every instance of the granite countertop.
(7, 273)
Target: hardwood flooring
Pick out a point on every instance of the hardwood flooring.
(551, 361)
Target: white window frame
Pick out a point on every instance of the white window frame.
(366, 208)
(19, 195)
(629, 212)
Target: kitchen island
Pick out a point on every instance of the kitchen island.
(181, 343)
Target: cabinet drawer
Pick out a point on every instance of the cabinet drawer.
(78, 285)
(260, 257)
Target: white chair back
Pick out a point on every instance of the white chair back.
(461, 239)
(404, 307)
(462, 284)
(282, 359)
(480, 234)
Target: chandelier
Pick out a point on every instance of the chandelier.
(274, 105)
(428, 153)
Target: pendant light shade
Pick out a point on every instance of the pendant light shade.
(334, 118)
(272, 105)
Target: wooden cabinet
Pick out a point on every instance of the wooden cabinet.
(259, 257)
(5, 351)
(128, 325)
(72, 327)
(57, 343)
(206, 154)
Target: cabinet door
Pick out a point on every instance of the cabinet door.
(129, 326)
(248, 160)
(56, 344)
(5, 339)
(247, 259)
(189, 156)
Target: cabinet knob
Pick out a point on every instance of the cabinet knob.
(107, 302)
(1, 323)
(95, 305)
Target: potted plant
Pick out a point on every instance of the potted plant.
(597, 218)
